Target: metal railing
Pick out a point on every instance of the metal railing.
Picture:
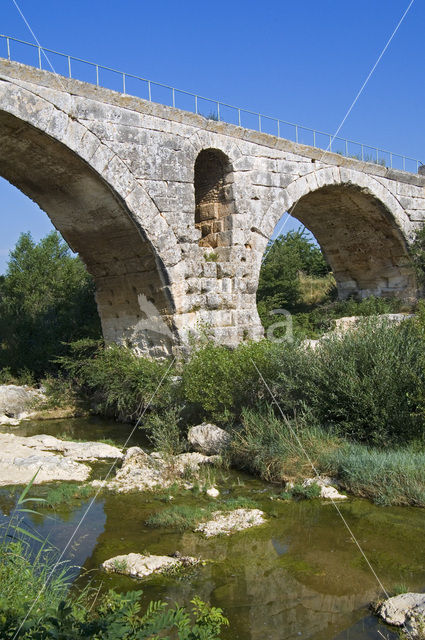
(130, 84)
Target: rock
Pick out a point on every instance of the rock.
(327, 490)
(406, 610)
(226, 522)
(141, 471)
(76, 450)
(16, 403)
(21, 457)
(208, 438)
(137, 565)
(213, 492)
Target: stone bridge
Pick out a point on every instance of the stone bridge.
(172, 212)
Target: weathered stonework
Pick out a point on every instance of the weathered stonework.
(171, 248)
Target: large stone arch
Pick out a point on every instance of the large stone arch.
(100, 209)
(360, 225)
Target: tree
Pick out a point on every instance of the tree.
(46, 300)
(284, 259)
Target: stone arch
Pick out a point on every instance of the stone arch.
(213, 197)
(360, 225)
(100, 209)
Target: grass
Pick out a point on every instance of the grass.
(65, 493)
(184, 517)
(394, 477)
(268, 446)
(315, 290)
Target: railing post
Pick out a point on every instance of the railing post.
(123, 83)
(391, 160)
(330, 142)
(69, 67)
(377, 156)
(278, 128)
(362, 154)
(174, 97)
(404, 163)
(8, 48)
(149, 91)
(218, 111)
(97, 75)
(259, 122)
(39, 57)
(296, 133)
(239, 117)
(346, 148)
(314, 137)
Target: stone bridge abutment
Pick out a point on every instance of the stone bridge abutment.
(172, 212)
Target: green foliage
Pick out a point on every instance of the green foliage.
(165, 431)
(219, 382)
(301, 492)
(285, 257)
(417, 252)
(387, 477)
(121, 383)
(46, 299)
(365, 385)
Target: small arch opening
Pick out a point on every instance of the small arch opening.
(213, 198)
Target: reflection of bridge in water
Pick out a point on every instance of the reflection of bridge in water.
(172, 211)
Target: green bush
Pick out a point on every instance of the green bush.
(366, 385)
(116, 380)
(218, 382)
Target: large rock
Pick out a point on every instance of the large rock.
(16, 403)
(208, 439)
(227, 522)
(142, 471)
(21, 457)
(406, 610)
(137, 565)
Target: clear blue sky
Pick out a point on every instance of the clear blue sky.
(301, 61)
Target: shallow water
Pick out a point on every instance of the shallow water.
(298, 576)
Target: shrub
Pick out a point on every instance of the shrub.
(365, 385)
(219, 382)
(121, 383)
(165, 431)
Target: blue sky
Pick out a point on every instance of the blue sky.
(301, 61)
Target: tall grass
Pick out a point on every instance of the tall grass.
(386, 477)
(276, 449)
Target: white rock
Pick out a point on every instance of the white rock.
(213, 492)
(15, 401)
(21, 457)
(141, 471)
(208, 438)
(137, 565)
(226, 522)
(407, 610)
